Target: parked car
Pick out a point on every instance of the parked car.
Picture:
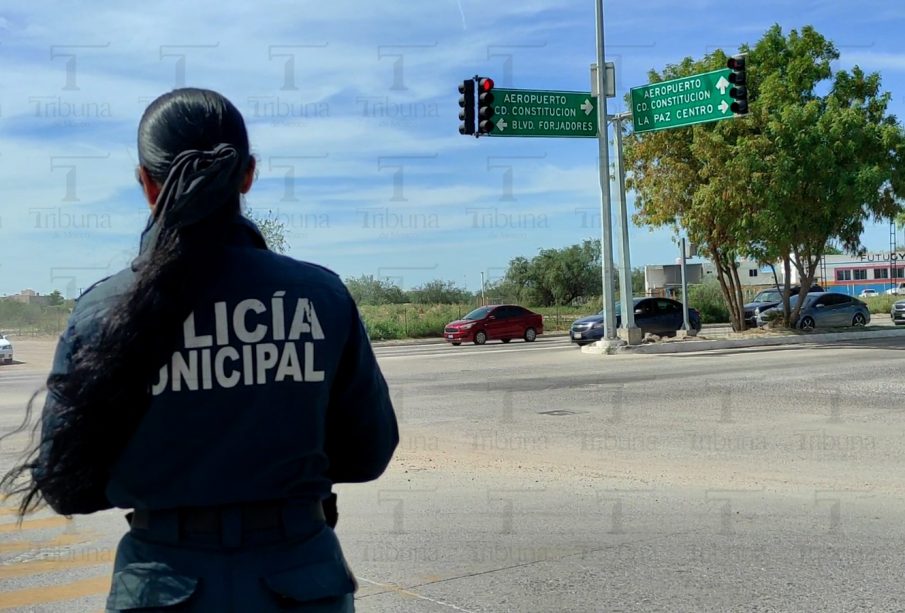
(897, 312)
(502, 322)
(868, 293)
(662, 316)
(825, 310)
(899, 289)
(6, 350)
(769, 298)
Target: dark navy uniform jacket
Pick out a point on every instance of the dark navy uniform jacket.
(273, 393)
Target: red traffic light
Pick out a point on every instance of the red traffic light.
(486, 84)
(736, 63)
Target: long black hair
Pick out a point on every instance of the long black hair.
(194, 145)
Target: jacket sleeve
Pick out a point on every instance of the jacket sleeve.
(90, 495)
(362, 432)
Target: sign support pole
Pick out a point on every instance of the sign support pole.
(685, 324)
(628, 331)
(606, 222)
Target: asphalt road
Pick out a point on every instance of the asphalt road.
(532, 477)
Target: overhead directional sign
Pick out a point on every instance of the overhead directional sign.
(523, 112)
(682, 102)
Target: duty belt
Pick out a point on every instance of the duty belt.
(230, 525)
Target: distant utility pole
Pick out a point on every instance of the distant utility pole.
(483, 302)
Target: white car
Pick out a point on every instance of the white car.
(6, 350)
(898, 289)
(868, 293)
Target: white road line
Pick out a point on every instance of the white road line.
(396, 588)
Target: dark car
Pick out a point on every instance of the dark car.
(769, 298)
(661, 316)
(495, 322)
(897, 312)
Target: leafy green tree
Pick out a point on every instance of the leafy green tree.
(272, 228)
(555, 276)
(55, 298)
(440, 292)
(816, 157)
(638, 286)
(368, 290)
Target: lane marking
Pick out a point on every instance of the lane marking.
(35, 524)
(62, 563)
(62, 540)
(404, 592)
(95, 586)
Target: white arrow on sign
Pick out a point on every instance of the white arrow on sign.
(723, 107)
(587, 107)
(501, 124)
(722, 84)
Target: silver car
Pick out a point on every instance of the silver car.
(897, 312)
(826, 310)
(6, 350)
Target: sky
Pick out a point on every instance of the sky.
(352, 110)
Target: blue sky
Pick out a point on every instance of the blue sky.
(352, 110)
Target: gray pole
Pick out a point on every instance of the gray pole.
(625, 279)
(606, 223)
(483, 302)
(686, 325)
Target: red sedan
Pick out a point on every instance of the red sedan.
(495, 322)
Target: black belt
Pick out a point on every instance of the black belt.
(228, 524)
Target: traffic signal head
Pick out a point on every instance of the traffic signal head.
(466, 107)
(485, 105)
(739, 79)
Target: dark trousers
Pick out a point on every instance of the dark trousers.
(170, 566)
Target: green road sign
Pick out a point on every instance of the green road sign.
(682, 102)
(522, 112)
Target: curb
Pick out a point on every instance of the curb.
(704, 345)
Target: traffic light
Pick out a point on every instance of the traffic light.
(466, 104)
(739, 81)
(485, 105)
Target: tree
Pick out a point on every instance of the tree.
(638, 286)
(555, 276)
(368, 290)
(55, 298)
(816, 157)
(440, 292)
(273, 229)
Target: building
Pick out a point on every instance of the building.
(851, 275)
(29, 296)
(666, 279)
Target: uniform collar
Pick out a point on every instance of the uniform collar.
(244, 233)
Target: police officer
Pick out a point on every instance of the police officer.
(216, 388)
